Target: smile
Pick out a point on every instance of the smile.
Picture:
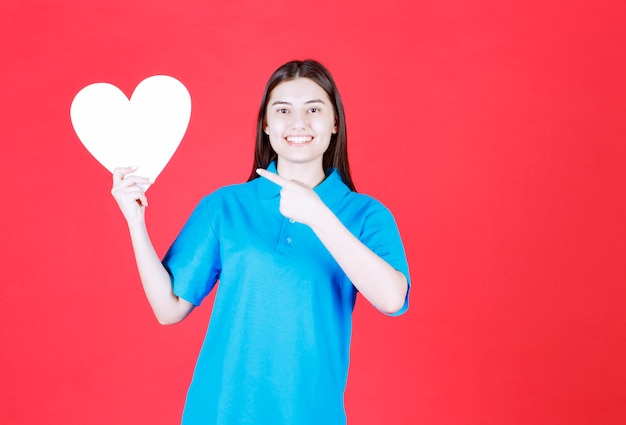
(298, 140)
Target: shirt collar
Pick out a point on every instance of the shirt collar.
(331, 190)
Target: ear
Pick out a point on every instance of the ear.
(266, 130)
(335, 129)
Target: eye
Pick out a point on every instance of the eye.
(282, 110)
(314, 110)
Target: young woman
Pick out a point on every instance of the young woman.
(291, 248)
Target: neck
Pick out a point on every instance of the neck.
(309, 174)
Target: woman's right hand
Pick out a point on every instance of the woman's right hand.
(129, 192)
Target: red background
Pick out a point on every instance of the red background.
(495, 131)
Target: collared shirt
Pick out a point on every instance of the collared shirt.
(277, 346)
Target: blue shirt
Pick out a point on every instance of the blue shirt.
(277, 346)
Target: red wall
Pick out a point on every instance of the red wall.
(495, 131)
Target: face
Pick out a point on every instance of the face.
(300, 121)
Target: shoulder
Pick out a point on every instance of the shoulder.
(222, 205)
(364, 203)
(366, 215)
(233, 191)
(222, 200)
(338, 196)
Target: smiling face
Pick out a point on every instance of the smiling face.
(300, 122)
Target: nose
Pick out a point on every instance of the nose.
(299, 121)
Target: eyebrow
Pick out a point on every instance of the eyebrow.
(280, 102)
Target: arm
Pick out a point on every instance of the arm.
(130, 196)
(376, 280)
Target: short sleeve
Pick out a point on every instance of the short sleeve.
(193, 261)
(380, 234)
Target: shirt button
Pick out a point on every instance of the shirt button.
(288, 240)
(291, 220)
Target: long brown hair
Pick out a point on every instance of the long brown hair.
(336, 156)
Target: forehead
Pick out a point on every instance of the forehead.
(299, 90)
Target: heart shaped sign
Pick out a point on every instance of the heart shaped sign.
(143, 131)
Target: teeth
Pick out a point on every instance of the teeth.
(299, 139)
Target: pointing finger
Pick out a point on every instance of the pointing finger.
(273, 177)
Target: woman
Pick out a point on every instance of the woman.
(290, 248)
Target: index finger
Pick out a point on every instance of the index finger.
(120, 172)
(273, 177)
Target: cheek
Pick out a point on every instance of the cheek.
(325, 126)
(275, 139)
(274, 127)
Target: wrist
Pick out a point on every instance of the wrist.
(323, 219)
(136, 225)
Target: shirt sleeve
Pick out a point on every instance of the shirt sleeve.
(380, 234)
(193, 261)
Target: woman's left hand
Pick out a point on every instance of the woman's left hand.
(298, 201)
(376, 280)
